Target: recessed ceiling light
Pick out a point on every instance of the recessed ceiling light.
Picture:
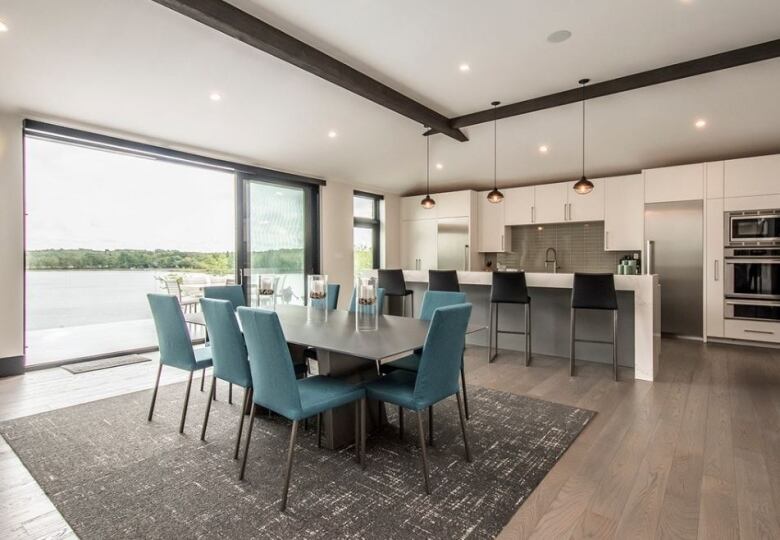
(439, 166)
(544, 149)
(332, 134)
(215, 96)
(701, 123)
(3, 27)
(559, 36)
(464, 68)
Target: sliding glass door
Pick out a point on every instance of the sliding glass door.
(279, 237)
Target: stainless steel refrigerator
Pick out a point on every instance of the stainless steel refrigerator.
(453, 244)
(675, 231)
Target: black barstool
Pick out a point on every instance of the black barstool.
(594, 291)
(443, 280)
(392, 281)
(509, 288)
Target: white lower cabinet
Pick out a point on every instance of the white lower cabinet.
(752, 330)
(418, 244)
(713, 268)
(624, 213)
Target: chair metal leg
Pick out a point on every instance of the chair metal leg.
(203, 379)
(363, 433)
(528, 334)
(319, 430)
(421, 432)
(246, 444)
(247, 394)
(463, 383)
(490, 332)
(463, 428)
(571, 341)
(230, 394)
(290, 451)
(154, 393)
(614, 343)
(208, 409)
(186, 401)
(358, 412)
(214, 396)
(400, 423)
(430, 425)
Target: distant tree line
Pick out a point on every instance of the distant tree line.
(280, 260)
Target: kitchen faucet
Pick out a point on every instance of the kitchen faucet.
(554, 259)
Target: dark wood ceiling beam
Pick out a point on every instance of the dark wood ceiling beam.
(242, 26)
(691, 68)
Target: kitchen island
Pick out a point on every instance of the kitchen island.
(639, 318)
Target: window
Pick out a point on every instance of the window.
(111, 220)
(365, 208)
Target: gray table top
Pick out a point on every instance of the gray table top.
(395, 335)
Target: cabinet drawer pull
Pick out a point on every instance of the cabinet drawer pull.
(717, 270)
(766, 332)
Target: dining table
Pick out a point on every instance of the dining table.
(344, 351)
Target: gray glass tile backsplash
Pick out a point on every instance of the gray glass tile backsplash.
(579, 248)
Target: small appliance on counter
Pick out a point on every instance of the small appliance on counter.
(629, 266)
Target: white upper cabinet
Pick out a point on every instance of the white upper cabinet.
(624, 213)
(587, 207)
(550, 203)
(714, 179)
(419, 244)
(493, 234)
(519, 205)
(453, 204)
(752, 176)
(412, 209)
(683, 183)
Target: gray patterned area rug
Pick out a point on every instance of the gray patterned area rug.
(111, 474)
(105, 363)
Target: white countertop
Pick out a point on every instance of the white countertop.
(534, 279)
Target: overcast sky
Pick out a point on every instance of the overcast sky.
(83, 198)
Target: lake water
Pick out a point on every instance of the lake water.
(64, 298)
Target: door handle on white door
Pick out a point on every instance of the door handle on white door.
(533, 214)
(606, 239)
(717, 270)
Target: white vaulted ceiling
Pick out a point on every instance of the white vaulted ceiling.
(138, 68)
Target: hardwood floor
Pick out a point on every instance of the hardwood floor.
(694, 455)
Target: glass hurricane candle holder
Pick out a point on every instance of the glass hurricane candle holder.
(317, 305)
(266, 292)
(366, 304)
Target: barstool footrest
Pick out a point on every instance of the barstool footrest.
(594, 341)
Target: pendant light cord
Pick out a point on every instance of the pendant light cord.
(583, 130)
(495, 148)
(428, 165)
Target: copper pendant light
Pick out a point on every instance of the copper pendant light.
(428, 201)
(583, 185)
(495, 196)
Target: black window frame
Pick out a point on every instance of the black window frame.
(375, 224)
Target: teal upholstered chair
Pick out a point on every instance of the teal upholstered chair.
(276, 388)
(232, 293)
(431, 302)
(380, 301)
(436, 377)
(229, 355)
(175, 345)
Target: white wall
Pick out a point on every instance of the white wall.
(336, 220)
(11, 238)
